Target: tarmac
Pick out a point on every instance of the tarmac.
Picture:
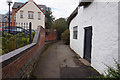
(59, 61)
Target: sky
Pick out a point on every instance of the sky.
(60, 8)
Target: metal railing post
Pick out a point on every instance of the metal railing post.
(30, 25)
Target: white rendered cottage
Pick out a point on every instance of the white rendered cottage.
(28, 12)
(94, 33)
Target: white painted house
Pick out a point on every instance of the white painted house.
(28, 12)
(94, 33)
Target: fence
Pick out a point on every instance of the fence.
(15, 41)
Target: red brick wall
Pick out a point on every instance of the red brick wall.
(11, 70)
(51, 36)
(13, 15)
(5, 24)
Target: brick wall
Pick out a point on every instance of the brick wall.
(13, 15)
(23, 66)
(2, 24)
(51, 36)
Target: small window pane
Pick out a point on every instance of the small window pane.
(75, 32)
(21, 14)
(41, 8)
(14, 17)
(19, 29)
(30, 15)
(39, 16)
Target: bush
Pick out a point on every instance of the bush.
(112, 73)
(11, 42)
(66, 37)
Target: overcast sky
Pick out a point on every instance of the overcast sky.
(60, 8)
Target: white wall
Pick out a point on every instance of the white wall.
(103, 17)
(119, 32)
(30, 6)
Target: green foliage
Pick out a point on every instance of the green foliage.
(60, 25)
(66, 37)
(111, 73)
(0, 52)
(49, 19)
(32, 35)
(7, 35)
(11, 42)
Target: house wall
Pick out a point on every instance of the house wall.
(30, 6)
(13, 15)
(103, 17)
(0, 20)
(119, 32)
(3, 24)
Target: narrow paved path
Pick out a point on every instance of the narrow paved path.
(58, 61)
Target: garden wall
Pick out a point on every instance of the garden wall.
(22, 64)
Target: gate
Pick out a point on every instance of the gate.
(88, 43)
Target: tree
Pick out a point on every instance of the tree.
(66, 36)
(49, 19)
(60, 25)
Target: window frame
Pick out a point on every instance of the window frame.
(30, 15)
(39, 15)
(15, 17)
(75, 32)
(21, 14)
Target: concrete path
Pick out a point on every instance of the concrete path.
(58, 61)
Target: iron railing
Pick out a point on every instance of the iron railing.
(20, 35)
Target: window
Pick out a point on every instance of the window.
(21, 24)
(75, 32)
(2, 25)
(18, 7)
(19, 29)
(39, 15)
(30, 15)
(26, 24)
(21, 14)
(42, 9)
(14, 17)
(16, 23)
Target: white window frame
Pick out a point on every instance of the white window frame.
(30, 15)
(15, 17)
(39, 16)
(75, 32)
(21, 14)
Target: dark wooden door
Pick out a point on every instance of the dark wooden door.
(88, 43)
